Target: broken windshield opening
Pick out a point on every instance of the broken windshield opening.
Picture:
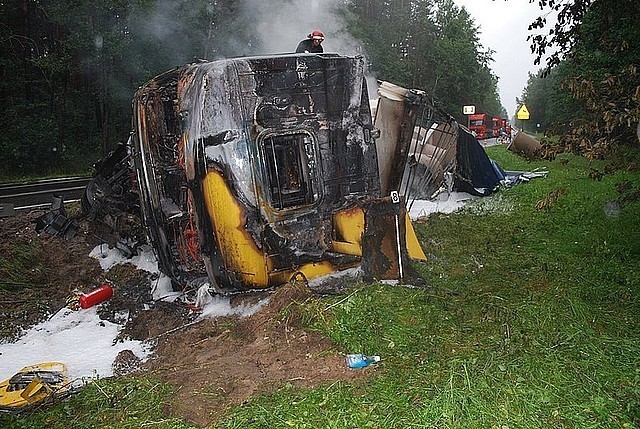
(288, 160)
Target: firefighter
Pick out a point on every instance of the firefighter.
(313, 43)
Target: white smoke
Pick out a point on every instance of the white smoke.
(284, 23)
(276, 26)
(272, 27)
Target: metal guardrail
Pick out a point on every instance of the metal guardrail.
(20, 196)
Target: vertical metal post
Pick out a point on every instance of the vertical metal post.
(399, 248)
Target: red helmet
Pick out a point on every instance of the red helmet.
(317, 34)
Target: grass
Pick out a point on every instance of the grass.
(116, 403)
(23, 279)
(7, 177)
(531, 320)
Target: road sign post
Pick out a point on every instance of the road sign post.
(469, 110)
(523, 114)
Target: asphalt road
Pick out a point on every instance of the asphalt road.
(39, 194)
(15, 197)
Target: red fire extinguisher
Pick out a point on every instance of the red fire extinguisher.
(96, 296)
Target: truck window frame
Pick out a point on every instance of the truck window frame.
(290, 164)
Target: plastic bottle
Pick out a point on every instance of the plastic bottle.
(360, 361)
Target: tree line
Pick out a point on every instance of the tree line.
(588, 93)
(70, 67)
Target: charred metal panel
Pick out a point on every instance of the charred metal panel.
(395, 118)
(432, 154)
(384, 250)
(56, 222)
(165, 198)
(417, 143)
(290, 137)
(390, 112)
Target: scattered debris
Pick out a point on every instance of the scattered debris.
(56, 222)
(80, 300)
(550, 200)
(512, 178)
(360, 361)
(223, 359)
(525, 145)
(82, 340)
(35, 385)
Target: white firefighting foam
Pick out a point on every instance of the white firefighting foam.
(87, 344)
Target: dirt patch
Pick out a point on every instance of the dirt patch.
(221, 362)
(39, 272)
(212, 363)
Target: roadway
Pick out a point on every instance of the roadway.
(15, 197)
(39, 194)
(489, 142)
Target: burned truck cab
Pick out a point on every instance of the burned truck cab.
(253, 171)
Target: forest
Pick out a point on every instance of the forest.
(70, 67)
(588, 93)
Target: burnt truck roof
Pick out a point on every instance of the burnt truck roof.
(283, 141)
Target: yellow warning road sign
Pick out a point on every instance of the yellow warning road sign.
(523, 112)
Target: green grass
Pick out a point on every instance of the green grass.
(123, 403)
(531, 320)
(17, 271)
(11, 177)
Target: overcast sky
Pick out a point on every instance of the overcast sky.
(503, 28)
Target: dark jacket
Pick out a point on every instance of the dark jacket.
(307, 46)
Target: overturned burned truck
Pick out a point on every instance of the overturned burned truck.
(254, 171)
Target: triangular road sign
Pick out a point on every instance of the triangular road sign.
(523, 112)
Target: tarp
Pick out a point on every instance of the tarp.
(475, 173)
(422, 149)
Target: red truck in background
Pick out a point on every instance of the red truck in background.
(496, 126)
(485, 126)
(481, 125)
(506, 131)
